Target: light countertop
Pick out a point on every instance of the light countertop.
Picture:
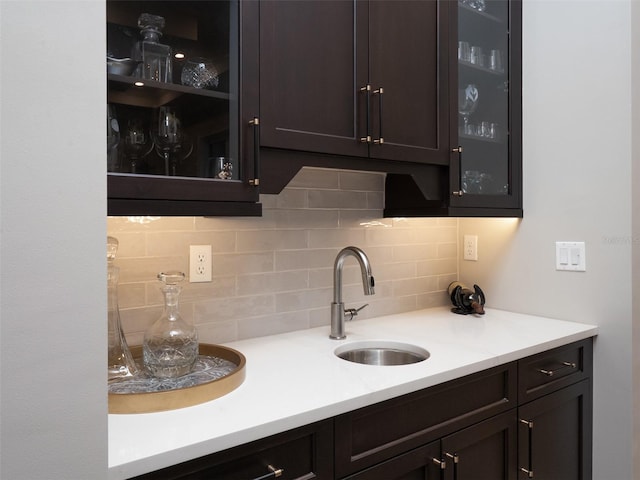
(294, 379)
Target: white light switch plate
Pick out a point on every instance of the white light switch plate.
(570, 256)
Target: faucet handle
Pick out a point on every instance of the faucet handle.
(352, 312)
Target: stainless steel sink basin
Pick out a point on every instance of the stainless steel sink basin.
(379, 352)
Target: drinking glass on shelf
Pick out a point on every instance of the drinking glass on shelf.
(464, 52)
(223, 168)
(485, 130)
(137, 142)
(477, 56)
(495, 60)
(467, 102)
(170, 141)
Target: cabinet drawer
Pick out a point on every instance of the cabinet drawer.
(554, 369)
(302, 453)
(368, 436)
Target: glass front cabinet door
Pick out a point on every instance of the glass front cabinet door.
(486, 164)
(181, 131)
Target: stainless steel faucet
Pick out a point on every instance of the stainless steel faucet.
(337, 307)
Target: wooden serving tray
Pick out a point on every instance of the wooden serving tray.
(158, 401)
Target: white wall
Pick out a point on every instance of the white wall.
(52, 250)
(577, 187)
(635, 178)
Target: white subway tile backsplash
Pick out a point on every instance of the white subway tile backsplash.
(287, 218)
(270, 240)
(316, 178)
(225, 309)
(338, 238)
(337, 199)
(304, 259)
(302, 300)
(361, 181)
(241, 263)
(177, 243)
(273, 282)
(274, 273)
(375, 200)
(272, 324)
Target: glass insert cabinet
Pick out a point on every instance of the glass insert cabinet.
(178, 138)
(486, 164)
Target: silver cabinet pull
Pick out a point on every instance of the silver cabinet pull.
(255, 122)
(455, 458)
(380, 139)
(552, 372)
(367, 90)
(273, 473)
(441, 463)
(529, 425)
(459, 192)
(528, 472)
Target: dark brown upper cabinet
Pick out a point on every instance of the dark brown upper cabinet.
(486, 175)
(366, 81)
(485, 130)
(185, 145)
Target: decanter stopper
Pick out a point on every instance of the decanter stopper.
(170, 345)
(120, 363)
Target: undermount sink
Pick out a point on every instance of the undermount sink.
(379, 352)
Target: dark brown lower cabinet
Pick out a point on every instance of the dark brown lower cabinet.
(554, 436)
(305, 453)
(526, 419)
(485, 451)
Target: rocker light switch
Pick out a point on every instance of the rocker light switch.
(570, 256)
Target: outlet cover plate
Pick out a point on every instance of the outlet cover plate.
(470, 247)
(199, 263)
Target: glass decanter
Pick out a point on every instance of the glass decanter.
(170, 345)
(120, 363)
(155, 56)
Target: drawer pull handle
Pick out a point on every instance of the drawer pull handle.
(551, 373)
(273, 473)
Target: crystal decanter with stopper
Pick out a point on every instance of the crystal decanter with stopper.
(170, 345)
(154, 56)
(120, 363)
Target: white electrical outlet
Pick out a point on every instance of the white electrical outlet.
(199, 263)
(470, 247)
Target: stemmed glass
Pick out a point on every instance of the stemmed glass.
(113, 138)
(467, 103)
(170, 141)
(137, 142)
